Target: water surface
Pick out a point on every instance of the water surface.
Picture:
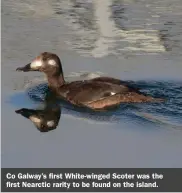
(127, 39)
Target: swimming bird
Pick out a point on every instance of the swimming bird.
(97, 94)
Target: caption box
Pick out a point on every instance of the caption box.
(90, 179)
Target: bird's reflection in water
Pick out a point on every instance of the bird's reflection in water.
(45, 119)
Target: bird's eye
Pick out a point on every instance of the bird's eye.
(43, 128)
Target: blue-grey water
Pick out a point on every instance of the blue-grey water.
(137, 41)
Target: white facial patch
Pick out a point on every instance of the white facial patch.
(50, 123)
(113, 93)
(36, 64)
(52, 62)
(35, 119)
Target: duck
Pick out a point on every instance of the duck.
(99, 93)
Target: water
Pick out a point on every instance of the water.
(127, 39)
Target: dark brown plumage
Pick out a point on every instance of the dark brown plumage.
(98, 93)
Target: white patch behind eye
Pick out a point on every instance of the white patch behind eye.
(52, 62)
(113, 93)
(50, 123)
(36, 64)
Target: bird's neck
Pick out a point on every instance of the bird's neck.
(55, 82)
